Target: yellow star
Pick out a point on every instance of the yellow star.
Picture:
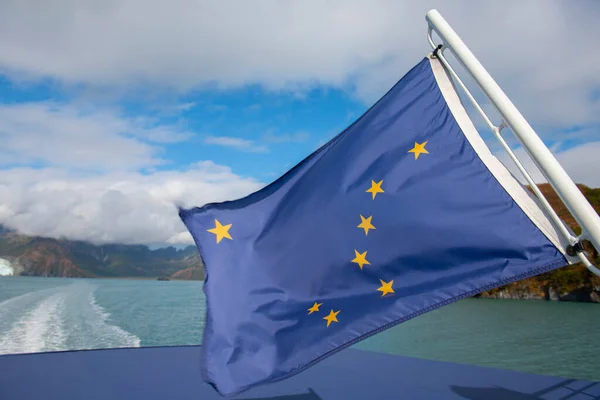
(418, 149)
(360, 259)
(386, 287)
(314, 308)
(366, 224)
(332, 317)
(375, 188)
(221, 231)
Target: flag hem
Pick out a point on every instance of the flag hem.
(529, 204)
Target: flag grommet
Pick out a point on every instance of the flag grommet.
(573, 250)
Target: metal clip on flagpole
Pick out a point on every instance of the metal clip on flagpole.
(566, 189)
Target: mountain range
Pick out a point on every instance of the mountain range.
(39, 256)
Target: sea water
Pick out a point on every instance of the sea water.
(48, 314)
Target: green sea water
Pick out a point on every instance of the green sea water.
(46, 314)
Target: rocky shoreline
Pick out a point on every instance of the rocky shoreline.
(540, 288)
(580, 296)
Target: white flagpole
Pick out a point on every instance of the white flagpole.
(566, 189)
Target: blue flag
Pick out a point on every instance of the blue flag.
(403, 212)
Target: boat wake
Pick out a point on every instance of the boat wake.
(61, 318)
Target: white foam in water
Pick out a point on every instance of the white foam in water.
(38, 330)
(62, 318)
(111, 335)
(6, 268)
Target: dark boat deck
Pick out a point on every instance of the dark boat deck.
(172, 373)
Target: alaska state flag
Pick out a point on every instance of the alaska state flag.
(403, 212)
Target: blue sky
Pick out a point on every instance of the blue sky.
(109, 116)
(256, 132)
(262, 134)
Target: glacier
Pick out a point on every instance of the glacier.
(6, 268)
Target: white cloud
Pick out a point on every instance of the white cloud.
(541, 52)
(297, 137)
(253, 146)
(124, 207)
(68, 136)
(236, 143)
(580, 162)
